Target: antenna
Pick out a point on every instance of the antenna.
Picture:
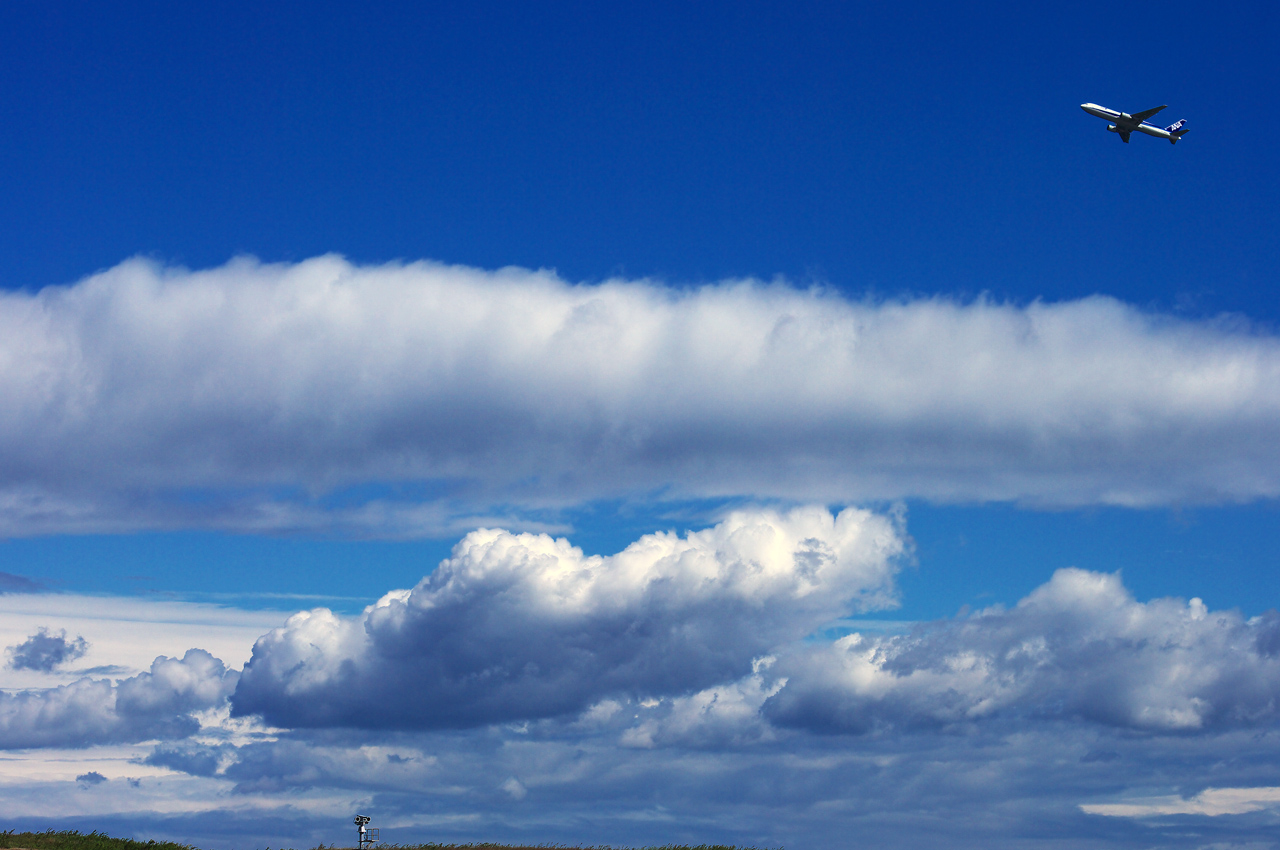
(368, 835)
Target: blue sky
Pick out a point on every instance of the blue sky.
(297, 298)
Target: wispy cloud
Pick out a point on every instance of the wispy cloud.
(1213, 802)
(309, 396)
(10, 583)
(123, 635)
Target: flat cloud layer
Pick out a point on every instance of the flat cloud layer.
(261, 388)
(522, 626)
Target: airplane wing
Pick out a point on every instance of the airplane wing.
(1147, 113)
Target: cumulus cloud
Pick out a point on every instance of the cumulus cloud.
(265, 387)
(1001, 729)
(519, 626)
(45, 652)
(1079, 701)
(701, 640)
(1079, 647)
(158, 704)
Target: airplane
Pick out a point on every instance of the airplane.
(1126, 124)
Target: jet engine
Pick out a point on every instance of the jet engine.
(1113, 128)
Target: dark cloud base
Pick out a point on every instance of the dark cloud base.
(1019, 788)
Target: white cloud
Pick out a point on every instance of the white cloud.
(265, 387)
(1078, 647)
(1212, 802)
(515, 788)
(158, 704)
(720, 717)
(524, 626)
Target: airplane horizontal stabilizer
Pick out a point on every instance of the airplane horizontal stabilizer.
(1178, 128)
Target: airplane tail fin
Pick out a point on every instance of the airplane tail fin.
(1176, 131)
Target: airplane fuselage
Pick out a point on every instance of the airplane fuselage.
(1124, 123)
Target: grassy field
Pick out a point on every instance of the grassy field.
(72, 840)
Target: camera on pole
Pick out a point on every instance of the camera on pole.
(368, 835)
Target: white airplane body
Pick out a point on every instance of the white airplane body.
(1126, 123)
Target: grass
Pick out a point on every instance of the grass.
(73, 840)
